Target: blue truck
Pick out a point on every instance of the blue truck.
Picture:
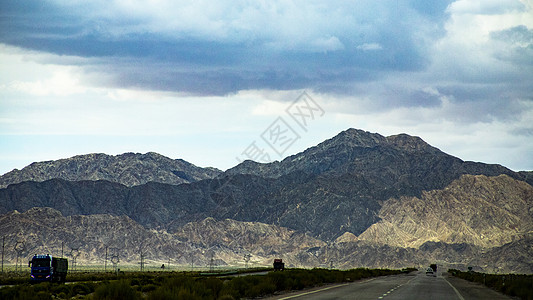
(48, 268)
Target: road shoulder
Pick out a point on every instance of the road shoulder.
(473, 290)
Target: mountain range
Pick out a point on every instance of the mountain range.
(129, 169)
(357, 199)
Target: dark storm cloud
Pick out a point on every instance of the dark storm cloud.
(137, 51)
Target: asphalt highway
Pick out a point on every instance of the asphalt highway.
(413, 286)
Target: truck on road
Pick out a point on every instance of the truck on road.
(279, 265)
(434, 267)
(48, 268)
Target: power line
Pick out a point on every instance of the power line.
(3, 244)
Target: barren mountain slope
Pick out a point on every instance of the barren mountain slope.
(45, 230)
(475, 209)
(259, 238)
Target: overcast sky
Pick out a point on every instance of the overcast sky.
(211, 82)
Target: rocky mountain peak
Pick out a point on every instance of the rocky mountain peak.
(346, 237)
(129, 169)
(357, 138)
(410, 143)
(341, 152)
(42, 212)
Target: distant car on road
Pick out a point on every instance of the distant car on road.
(430, 272)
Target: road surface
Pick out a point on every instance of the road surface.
(416, 285)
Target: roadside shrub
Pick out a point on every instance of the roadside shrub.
(181, 293)
(148, 288)
(43, 295)
(264, 287)
(516, 285)
(144, 280)
(8, 293)
(23, 292)
(116, 290)
(61, 288)
(81, 289)
(214, 285)
(278, 279)
(186, 294)
(255, 285)
(6, 279)
(43, 286)
(162, 294)
(238, 286)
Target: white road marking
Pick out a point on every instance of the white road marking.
(332, 287)
(367, 280)
(312, 292)
(456, 291)
(392, 290)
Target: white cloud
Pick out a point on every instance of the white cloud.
(470, 23)
(327, 44)
(459, 94)
(467, 62)
(24, 72)
(61, 83)
(485, 7)
(370, 47)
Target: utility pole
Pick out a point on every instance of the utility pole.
(115, 260)
(142, 261)
(246, 260)
(74, 253)
(3, 244)
(20, 247)
(141, 251)
(105, 262)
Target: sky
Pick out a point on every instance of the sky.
(218, 82)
